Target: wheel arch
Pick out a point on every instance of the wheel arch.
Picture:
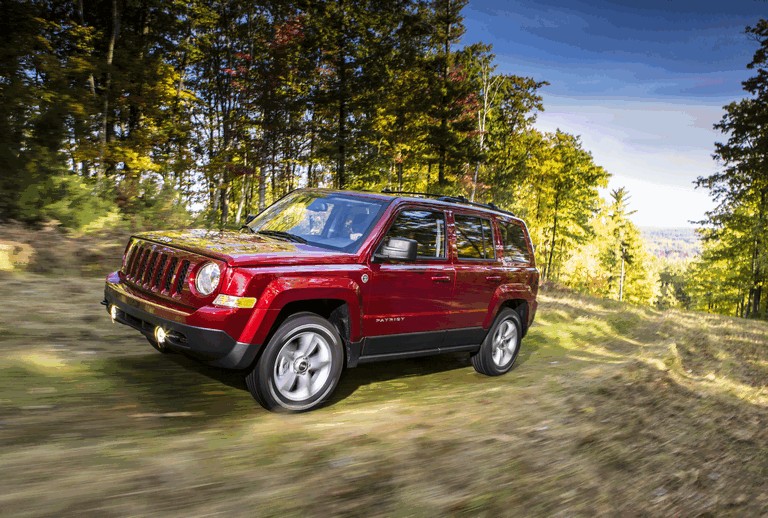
(336, 300)
(336, 311)
(520, 306)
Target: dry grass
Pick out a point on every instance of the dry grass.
(612, 410)
(52, 250)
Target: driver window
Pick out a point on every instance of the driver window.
(426, 227)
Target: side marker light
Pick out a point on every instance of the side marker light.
(231, 301)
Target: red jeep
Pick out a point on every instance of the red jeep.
(324, 279)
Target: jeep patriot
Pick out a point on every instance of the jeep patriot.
(323, 280)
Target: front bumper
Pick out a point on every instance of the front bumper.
(212, 346)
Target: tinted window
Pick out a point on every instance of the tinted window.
(426, 227)
(515, 244)
(474, 238)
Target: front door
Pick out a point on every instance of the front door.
(408, 304)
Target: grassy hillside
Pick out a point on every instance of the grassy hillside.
(611, 410)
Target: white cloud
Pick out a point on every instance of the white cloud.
(654, 149)
(660, 205)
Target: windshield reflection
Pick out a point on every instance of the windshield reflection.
(337, 221)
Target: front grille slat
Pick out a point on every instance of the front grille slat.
(130, 258)
(182, 276)
(159, 271)
(140, 267)
(150, 267)
(169, 274)
(137, 251)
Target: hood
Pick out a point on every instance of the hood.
(245, 249)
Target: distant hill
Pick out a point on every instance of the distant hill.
(672, 243)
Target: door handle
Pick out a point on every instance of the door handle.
(493, 278)
(441, 278)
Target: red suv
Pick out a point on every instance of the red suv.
(325, 279)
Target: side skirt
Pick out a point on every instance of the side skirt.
(413, 345)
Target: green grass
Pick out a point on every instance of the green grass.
(611, 410)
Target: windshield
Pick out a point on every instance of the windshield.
(328, 220)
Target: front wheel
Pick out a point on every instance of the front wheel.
(499, 350)
(300, 366)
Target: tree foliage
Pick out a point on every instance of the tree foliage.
(615, 263)
(161, 112)
(731, 275)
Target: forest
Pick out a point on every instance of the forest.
(145, 113)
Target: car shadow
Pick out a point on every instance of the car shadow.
(231, 378)
(163, 381)
(381, 372)
(412, 370)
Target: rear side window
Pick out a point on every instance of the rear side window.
(515, 244)
(474, 237)
(426, 227)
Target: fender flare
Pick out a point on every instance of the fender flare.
(505, 293)
(285, 290)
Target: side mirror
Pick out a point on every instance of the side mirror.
(249, 218)
(398, 249)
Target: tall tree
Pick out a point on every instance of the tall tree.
(563, 198)
(613, 263)
(450, 90)
(741, 186)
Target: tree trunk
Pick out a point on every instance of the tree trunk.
(621, 280)
(342, 136)
(224, 199)
(474, 181)
(442, 154)
(241, 204)
(310, 167)
(755, 292)
(104, 133)
(554, 238)
(91, 80)
(262, 188)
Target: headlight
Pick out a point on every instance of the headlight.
(207, 278)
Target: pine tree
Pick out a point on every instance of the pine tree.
(741, 187)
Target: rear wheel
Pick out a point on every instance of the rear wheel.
(300, 366)
(499, 350)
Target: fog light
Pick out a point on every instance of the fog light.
(231, 301)
(113, 313)
(160, 335)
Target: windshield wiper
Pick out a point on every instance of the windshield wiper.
(284, 235)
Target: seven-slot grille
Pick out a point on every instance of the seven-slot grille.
(156, 268)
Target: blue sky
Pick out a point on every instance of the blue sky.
(641, 82)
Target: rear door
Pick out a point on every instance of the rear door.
(408, 304)
(519, 271)
(478, 268)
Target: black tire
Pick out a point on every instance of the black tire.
(300, 366)
(497, 355)
(153, 343)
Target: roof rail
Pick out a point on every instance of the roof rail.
(450, 199)
(387, 190)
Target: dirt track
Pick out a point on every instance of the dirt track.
(610, 410)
